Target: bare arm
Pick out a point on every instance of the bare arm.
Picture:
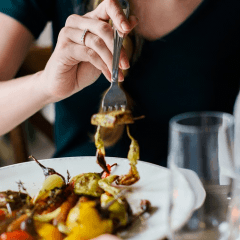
(19, 98)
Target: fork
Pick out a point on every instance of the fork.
(115, 97)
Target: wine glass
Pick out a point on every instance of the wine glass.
(200, 147)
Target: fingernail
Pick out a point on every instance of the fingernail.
(125, 26)
(125, 64)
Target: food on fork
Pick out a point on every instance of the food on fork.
(113, 118)
(133, 156)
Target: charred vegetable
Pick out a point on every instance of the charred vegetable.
(91, 184)
(87, 184)
(28, 225)
(111, 119)
(133, 156)
(100, 151)
(52, 182)
(118, 210)
(13, 199)
(64, 209)
(47, 171)
(3, 213)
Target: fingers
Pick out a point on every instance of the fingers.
(99, 28)
(111, 9)
(74, 53)
(94, 43)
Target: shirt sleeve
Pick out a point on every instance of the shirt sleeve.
(33, 14)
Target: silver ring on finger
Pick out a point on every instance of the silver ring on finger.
(82, 40)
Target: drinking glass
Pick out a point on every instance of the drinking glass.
(200, 149)
(231, 228)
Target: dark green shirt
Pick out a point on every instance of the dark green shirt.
(196, 67)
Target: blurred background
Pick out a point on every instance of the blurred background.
(34, 136)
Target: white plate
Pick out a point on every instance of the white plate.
(153, 186)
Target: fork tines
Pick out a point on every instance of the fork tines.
(114, 99)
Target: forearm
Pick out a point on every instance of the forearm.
(19, 99)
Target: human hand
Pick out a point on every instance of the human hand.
(73, 66)
(106, 237)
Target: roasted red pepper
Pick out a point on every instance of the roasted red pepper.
(2, 215)
(105, 174)
(16, 235)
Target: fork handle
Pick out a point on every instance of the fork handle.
(117, 46)
(116, 55)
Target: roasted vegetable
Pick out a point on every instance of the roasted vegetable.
(87, 184)
(100, 150)
(117, 209)
(15, 225)
(90, 224)
(105, 184)
(3, 213)
(52, 182)
(15, 199)
(105, 174)
(54, 200)
(64, 209)
(47, 171)
(48, 232)
(48, 216)
(5, 223)
(73, 216)
(133, 156)
(16, 235)
(111, 119)
(28, 225)
(91, 184)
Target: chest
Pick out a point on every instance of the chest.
(159, 17)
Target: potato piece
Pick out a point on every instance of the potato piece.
(47, 231)
(90, 224)
(74, 214)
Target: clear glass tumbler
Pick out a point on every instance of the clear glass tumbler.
(202, 143)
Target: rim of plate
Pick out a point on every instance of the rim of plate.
(63, 158)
